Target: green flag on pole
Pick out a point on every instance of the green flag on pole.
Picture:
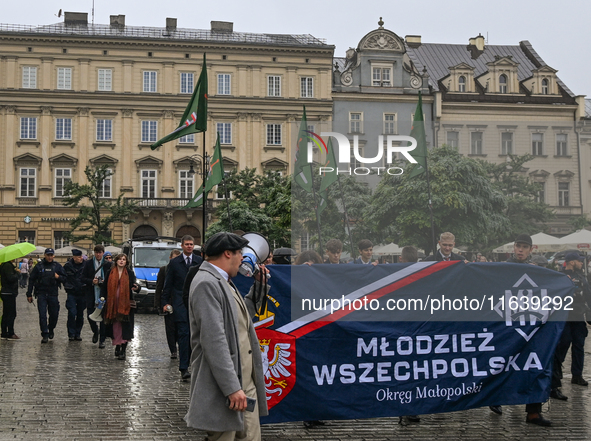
(194, 120)
(328, 177)
(302, 174)
(418, 132)
(215, 175)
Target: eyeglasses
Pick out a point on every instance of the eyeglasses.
(109, 258)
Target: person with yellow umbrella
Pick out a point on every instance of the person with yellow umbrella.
(9, 277)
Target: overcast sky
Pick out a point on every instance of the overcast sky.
(559, 31)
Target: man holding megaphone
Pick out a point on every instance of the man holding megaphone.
(227, 387)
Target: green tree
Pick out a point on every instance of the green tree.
(356, 196)
(464, 202)
(96, 214)
(523, 210)
(259, 203)
(579, 222)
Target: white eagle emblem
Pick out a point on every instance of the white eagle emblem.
(275, 370)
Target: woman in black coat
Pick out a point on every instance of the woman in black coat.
(117, 289)
(9, 277)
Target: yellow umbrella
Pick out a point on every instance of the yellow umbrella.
(15, 251)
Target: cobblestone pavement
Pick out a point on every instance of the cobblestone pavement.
(74, 391)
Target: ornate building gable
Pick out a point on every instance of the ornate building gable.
(149, 162)
(542, 82)
(275, 164)
(27, 160)
(460, 79)
(501, 76)
(380, 60)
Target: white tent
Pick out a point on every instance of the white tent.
(67, 251)
(580, 240)
(113, 250)
(38, 250)
(390, 249)
(542, 243)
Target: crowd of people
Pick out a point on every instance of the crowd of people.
(217, 346)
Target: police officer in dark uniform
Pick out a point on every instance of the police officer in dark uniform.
(46, 278)
(575, 328)
(76, 302)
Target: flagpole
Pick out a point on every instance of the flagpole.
(316, 210)
(430, 204)
(227, 203)
(346, 216)
(204, 193)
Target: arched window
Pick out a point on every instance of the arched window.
(545, 88)
(503, 83)
(144, 231)
(192, 231)
(462, 84)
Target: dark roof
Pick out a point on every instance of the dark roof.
(438, 58)
(339, 62)
(143, 32)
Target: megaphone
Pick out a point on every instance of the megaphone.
(253, 254)
(97, 315)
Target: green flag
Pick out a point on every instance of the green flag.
(418, 133)
(215, 175)
(194, 120)
(328, 177)
(302, 173)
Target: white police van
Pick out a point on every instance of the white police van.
(146, 255)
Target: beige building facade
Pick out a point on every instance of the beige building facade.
(75, 94)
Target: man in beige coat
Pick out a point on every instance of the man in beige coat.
(226, 359)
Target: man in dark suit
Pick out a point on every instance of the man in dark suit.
(93, 276)
(447, 241)
(169, 326)
(172, 295)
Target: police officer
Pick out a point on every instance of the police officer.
(46, 278)
(76, 302)
(575, 328)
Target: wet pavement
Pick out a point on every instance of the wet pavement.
(75, 391)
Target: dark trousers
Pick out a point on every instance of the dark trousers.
(184, 333)
(94, 326)
(575, 333)
(75, 304)
(171, 335)
(47, 303)
(8, 315)
(23, 280)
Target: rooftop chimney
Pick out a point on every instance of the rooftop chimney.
(476, 46)
(76, 18)
(222, 26)
(170, 24)
(413, 40)
(118, 21)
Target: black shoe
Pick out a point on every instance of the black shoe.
(117, 350)
(173, 356)
(539, 421)
(95, 337)
(185, 374)
(314, 423)
(102, 345)
(51, 335)
(121, 355)
(78, 338)
(44, 340)
(71, 338)
(496, 409)
(557, 393)
(577, 379)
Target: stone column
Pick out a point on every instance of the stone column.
(12, 79)
(83, 145)
(45, 135)
(168, 79)
(44, 78)
(127, 79)
(84, 69)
